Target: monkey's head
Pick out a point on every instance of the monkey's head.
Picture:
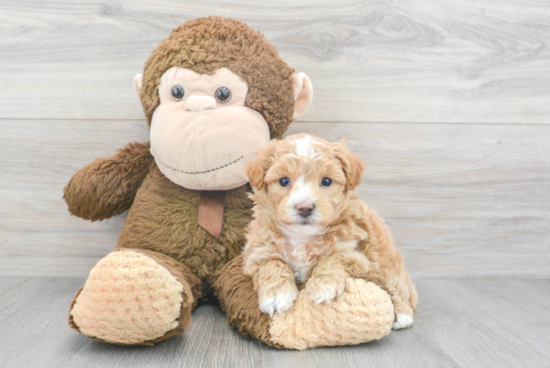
(214, 93)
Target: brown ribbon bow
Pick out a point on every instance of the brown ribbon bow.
(211, 211)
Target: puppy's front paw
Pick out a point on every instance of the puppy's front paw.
(403, 321)
(278, 299)
(325, 288)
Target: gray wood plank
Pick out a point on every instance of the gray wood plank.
(459, 323)
(461, 200)
(477, 326)
(375, 61)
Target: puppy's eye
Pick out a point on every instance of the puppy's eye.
(326, 182)
(178, 92)
(284, 182)
(223, 94)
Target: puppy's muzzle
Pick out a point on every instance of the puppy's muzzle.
(305, 209)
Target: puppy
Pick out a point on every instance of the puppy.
(310, 227)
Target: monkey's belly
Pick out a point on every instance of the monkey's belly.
(163, 218)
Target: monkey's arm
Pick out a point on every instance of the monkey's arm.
(107, 186)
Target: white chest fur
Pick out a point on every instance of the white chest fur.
(299, 259)
(300, 269)
(302, 256)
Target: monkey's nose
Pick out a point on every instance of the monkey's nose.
(305, 209)
(200, 103)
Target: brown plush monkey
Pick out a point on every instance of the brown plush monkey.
(214, 93)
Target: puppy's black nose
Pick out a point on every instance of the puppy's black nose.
(305, 209)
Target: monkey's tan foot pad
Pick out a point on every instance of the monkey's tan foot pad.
(364, 312)
(128, 299)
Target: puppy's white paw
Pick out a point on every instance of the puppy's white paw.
(324, 290)
(403, 321)
(280, 302)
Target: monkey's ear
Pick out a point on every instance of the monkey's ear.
(257, 169)
(303, 93)
(351, 164)
(138, 82)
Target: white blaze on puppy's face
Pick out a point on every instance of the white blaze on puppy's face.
(301, 193)
(304, 147)
(202, 134)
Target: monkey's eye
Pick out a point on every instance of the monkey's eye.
(223, 94)
(326, 182)
(284, 182)
(178, 92)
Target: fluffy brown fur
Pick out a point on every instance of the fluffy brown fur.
(240, 302)
(162, 229)
(162, 221)
(163, 218)
(107, 186)
(206, 44)
(341, 238)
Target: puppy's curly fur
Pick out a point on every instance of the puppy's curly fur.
(311, 230)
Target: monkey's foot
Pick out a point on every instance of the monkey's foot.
(130, 298)
(364, 312)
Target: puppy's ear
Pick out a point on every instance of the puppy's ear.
(351, 164)
(257, 168)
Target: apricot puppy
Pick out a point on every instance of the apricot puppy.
(310, 228)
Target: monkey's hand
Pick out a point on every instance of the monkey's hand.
(107, 186)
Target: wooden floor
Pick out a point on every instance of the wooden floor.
(459, 323)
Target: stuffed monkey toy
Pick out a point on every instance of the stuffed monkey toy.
(214, 93)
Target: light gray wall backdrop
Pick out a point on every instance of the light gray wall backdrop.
(447, 101)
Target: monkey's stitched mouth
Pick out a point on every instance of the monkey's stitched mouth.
(202, 172)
